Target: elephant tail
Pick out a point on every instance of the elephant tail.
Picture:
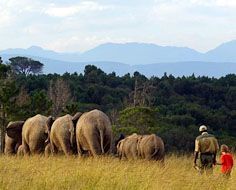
(73, 139)
(101, 140)
(156, 152)
(49, 122)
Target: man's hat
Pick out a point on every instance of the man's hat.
(202, 128)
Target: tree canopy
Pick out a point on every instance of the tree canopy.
(26, 66)
(171, 107)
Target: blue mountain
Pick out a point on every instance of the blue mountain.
(149, 59)
(225, 52)
(35, 51)
(140, 53)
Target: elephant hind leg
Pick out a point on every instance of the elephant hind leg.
(20, 150)
(141, 153)
(67, 148)
(107, 144)
(37, 147)
(54, 149)
(95, 148)
(79, 149)
(26, 149)
(47, 151)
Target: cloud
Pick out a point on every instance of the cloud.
(226, 3)
(213, 3)
(71, 25)
(12, 11)
(83, 7)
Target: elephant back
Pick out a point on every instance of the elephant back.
(94, 133)
(129, 146)
(151, 147)
(94, 118)
(62, 123)
(62, 128)
(34, 132)
(35, 124)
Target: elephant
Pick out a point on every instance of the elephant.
(115, 143)
(47, 150)
(12, 144)
(151, 147)
(20, 151)
(93, 133)
(62, 134)
(34, 134)
(127, 147)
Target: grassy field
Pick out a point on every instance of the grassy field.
(106, 173)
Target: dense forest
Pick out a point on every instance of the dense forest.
(171, 107)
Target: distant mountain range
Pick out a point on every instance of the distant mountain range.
(149, 59)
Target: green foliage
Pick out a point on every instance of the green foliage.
(142, 119)
(25, 66)
(176, 107)
(39, 103)
(7, 99)
(4, 70)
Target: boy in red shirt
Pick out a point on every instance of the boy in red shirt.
(226, 160)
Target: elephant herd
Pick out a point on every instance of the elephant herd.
(150, 147)
(88, 134)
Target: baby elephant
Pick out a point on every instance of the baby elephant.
(150, 147)
(127, 148)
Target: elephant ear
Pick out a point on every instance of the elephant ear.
(76, 117)
(14, 129)
(122, 136)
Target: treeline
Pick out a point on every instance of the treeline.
(172, 107)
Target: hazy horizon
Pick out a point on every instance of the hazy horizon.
(36, 46)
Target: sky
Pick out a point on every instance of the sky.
(73, 25)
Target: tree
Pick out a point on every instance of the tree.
(60, 94)
(7, 99)
(138, 119)
(92, 74)
(4, 70)
(143, 93)
(71, 108)
(39, 103)
(26, 66)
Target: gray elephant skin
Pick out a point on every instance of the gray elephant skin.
(34, 134)
(62, 135)
(127, 148)
(94, 133)
(150, 147)
(12, 144)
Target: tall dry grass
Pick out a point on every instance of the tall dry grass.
(106, 173)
